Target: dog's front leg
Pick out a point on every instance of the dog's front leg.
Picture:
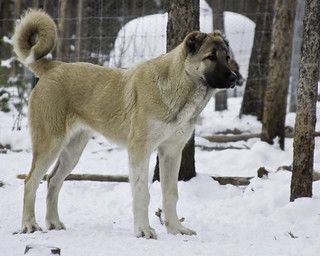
(170, 160)
(138, 173)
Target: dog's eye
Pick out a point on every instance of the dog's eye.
(228, 57)
(212, 56)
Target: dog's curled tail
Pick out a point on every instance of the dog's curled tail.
(34, 37)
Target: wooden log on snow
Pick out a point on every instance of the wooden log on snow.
(219, 148)
(288, 168)
(89, 177)
(223, 180)
(239, 137)
(235, 181)
(231, 138)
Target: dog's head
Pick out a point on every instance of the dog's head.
(208, 59)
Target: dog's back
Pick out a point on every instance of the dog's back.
(68, 95)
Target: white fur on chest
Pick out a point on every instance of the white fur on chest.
(184, 121)
(193, 107)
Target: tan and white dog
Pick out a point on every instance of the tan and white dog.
(152, 106)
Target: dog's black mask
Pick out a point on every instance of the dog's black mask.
(221, 76)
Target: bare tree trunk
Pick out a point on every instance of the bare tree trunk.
(87, 46)
(183, 17)
(296, 54)
(252, 103)
(275, 100)
(64, 28)
(50, 6)
(6, 28)
(301, 182)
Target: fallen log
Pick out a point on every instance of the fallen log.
(223, 180)
(288, 168)
(236, 181)
(219, 148)
(231, 138)
(88, 177)
(239, 137)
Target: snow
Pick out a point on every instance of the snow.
(7, 40)
(253, 220)
(6, 63)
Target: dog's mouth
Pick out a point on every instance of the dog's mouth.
(236, 80)
(215, 82)
(240, 79)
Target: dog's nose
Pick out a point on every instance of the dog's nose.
(232, 78)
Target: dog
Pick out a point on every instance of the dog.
(151, 106)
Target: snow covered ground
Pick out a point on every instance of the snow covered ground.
(253, 220)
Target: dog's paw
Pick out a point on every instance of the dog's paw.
(29, 227)
(146, 232)
(55, 225)
(180, 229)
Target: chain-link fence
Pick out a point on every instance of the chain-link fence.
(118, 33)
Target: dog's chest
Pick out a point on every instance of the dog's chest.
(189, 111)
(185, 117)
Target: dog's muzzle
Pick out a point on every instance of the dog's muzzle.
(235, 79)
(232, 80)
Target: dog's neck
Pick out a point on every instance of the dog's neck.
(179, 92)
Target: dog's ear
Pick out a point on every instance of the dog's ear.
(220, 34)
(194, 40)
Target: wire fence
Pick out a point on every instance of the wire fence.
(116, 33)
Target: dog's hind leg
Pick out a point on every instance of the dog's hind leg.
(67, 160)
(44, 154)
(170, 153)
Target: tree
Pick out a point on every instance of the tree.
(301, 182)
(87, 29)
(6, 28)
(296, 54)
(275, 100)
(66, 26)
(183, 17)
(252, 103)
